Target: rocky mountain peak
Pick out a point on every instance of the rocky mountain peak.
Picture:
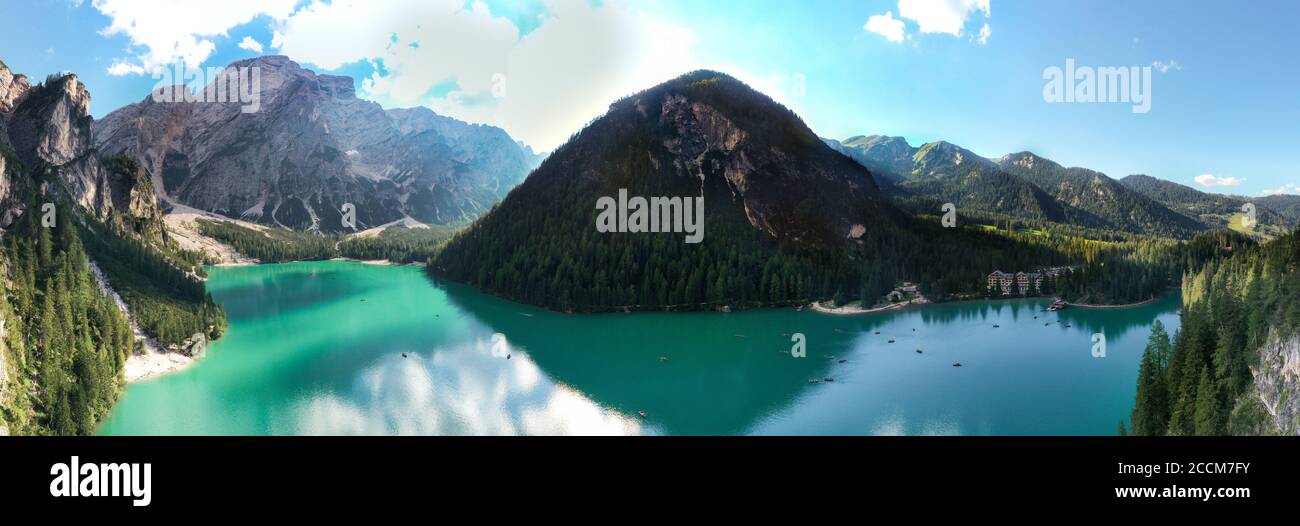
(278, 72)
(12, 87)
(312, 147)
(51, 123)
(48, 130)
(943, 159)
(1029, 161)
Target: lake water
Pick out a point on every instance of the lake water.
(317, 348)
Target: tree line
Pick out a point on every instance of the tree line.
(66, 341)
(1193, 384)
(276, 245)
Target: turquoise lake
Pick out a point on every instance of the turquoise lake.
(317, 348)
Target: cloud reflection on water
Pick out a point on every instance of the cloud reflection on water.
(457, 390)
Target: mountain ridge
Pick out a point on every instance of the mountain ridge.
(1021, 184)
(312, 147)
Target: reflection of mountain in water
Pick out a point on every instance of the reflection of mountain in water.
(343, 348)
(714, 382)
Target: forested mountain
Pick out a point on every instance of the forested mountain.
(1212, 210)
(1230, 368)
(1021, 185)
(949, 173)
(67, 211)
(941, 172)
(783, 213)
(1288, 205)
(1092, 199)
(311, 147)
(787, 220)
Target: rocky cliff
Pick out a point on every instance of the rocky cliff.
(13, 87)
(1277, 385)
(311, 147)
(47, 140)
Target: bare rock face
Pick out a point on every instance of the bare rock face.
(8, 210)
(46, 142)
(51, 125)
(784, 179)
(311, 147)
(12, 87)
(1277, 384)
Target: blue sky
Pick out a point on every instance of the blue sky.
(1223, 91)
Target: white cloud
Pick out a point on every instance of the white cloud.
(416, 44)
(1288, 188)
(251, 45)
(1166, 67)
(540, 87)
(888, 26)
(583, 57)
(119, 69)
(1211, 180)
(932, 16)
(548, 84)
(179, 31)
(941, 16)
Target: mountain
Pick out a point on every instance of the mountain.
(1022, 185)
(311, 147)
(89, 273)
(1212, 210)
(1288, 205)
(1096, 201)
(48, 136)
(887, 157)
(953, 174)
(785, 216)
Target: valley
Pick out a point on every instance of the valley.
(219, 249)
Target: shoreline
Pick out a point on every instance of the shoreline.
(383, 262)
(850, 311)
(1124, 306)
(153, 364)
(853, 310)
